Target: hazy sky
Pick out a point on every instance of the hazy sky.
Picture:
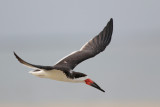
(43, 31)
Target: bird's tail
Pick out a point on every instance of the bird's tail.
(38, 73)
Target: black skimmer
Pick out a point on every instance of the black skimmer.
(63, 69)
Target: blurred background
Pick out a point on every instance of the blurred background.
(44, 31)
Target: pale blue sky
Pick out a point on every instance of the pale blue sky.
(43, 31)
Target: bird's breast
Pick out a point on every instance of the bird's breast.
(54, 75)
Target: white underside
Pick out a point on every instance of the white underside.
(56, 75)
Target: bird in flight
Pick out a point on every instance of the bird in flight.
(63, 69)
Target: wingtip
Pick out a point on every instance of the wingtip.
(15, 54)
(111, 20)
(19, 59)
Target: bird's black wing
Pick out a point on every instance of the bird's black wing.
(90, 49)
(32, 65)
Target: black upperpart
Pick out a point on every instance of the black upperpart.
(90, 49)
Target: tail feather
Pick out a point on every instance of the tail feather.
(38, 73)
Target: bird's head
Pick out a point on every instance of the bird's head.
(93, 84)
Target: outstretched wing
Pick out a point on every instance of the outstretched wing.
(32, 65)
(90, 49)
